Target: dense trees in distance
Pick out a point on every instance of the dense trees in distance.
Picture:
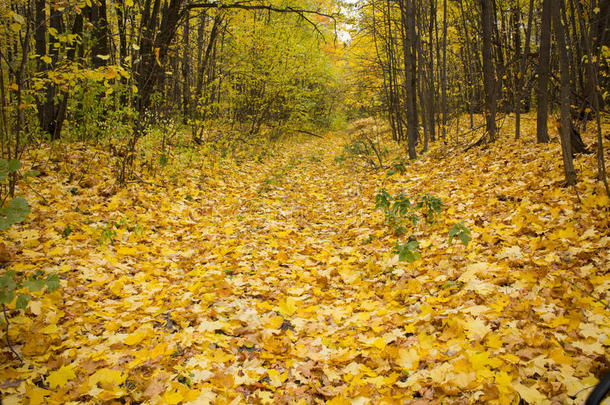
(434, 61)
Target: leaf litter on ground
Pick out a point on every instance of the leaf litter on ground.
(226, 287)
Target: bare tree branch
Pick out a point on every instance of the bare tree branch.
(303, 13)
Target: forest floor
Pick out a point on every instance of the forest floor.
(270, 278)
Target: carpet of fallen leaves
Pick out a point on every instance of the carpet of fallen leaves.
(272, 280)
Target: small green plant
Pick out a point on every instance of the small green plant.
(365, 149)
(452, 284)
(108, 234)
(401, 214)
(431, 205)
(340, 159)
(16, 210)
(408, 252)
(398, 166)
(461, 232)
(399, 209)
(11, 282)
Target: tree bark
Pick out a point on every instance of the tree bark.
(186, 70)
(566, 119)
(99, 20)
(431, 87)
(489, 76)
(410, 61)
(444, 72)
(519, 89)
(544, 56)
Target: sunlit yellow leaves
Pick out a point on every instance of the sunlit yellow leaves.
(37, 396)
(107, 376)
(274, 323)
(379, 343)
(210, 326)
(127, 250)
(300, 289)
(348, 275)
(172, 397)
(205, 397)
(530, 394)
(288, 306)
(136, 337)
(477, 329)
(276, 378)
(591, 346)
(60, 377)
(408, 359)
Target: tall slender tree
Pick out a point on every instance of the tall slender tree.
(565, 101)
(489, 76)
(544, 58)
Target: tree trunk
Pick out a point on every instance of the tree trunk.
(408, 20)
(99, 20)
(544, 56)
(489, 77)
(519, 89)
(186, 70)
(444, 72)
(40, 37)
(52, 111)
(468, 67)
(431, 87)
(566, 119)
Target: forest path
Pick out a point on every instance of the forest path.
(270, 280)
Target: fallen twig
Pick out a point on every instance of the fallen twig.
(8, 340)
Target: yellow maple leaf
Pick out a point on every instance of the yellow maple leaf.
(107, 376)
(529, 394)
(60, 377)
(276, 378)
(288, 306)
(476, 329)
(274, 323)
(135, 338)
(339, 400)
(37, 395)
(503, 382)
(379, 343)
(408, 359)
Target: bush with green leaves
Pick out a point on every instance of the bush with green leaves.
(17, 209)
(366, 149)
(398, 166)
(461, 232)
(401, 213)
(431, 206)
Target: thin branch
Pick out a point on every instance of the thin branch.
(8, 340)
(299, 11)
